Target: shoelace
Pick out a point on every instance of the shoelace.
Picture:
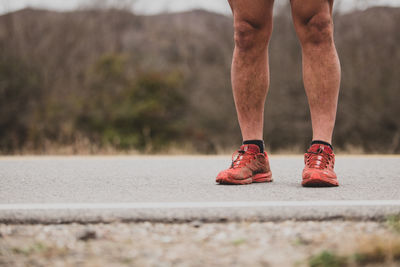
(319, 159)
(241, 158)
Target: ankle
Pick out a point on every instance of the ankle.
(321, 143)
(259, 143)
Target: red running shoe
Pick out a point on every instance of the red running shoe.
(318, 172)
(248, 166)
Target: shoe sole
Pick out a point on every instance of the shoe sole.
(319, 182)
(258, 178)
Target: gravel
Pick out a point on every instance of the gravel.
(285, 243)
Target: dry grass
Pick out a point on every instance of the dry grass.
(288, 243)
(367, 251)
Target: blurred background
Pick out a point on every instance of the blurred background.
(84, 77)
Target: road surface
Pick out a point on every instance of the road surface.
(183, 188)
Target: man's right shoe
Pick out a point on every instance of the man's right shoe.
(248, 166)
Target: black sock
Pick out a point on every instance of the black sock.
(322, 143)
(259, 143)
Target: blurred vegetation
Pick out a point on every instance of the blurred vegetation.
(369, 251)
(20, 96)
(327, 259)
(109, 80)
(144, 112)
(393, 221)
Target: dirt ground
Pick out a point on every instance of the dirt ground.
(287, 243)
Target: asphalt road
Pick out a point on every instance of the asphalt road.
(183, 188)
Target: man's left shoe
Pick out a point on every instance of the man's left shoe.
(318, 172)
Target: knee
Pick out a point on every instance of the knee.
(317, 30)
(249, 36)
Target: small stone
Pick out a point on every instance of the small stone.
(196, 224)
(87, 235)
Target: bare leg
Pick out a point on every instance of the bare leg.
(321, 67)
(250, 72)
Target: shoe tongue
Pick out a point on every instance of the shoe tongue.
(320, 147)
(251, 148)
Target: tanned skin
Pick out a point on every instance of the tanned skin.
(250, 69)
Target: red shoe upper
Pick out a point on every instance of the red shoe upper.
(246, 162)
(319, 163)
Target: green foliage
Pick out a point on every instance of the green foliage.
(393, 222)
(36, 247)
(238, 241)
(20, 96)
(327, 259)
(142, 112)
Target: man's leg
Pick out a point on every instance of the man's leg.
(250, 72)
(250, 81)
(321, 74)
(321, 67)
